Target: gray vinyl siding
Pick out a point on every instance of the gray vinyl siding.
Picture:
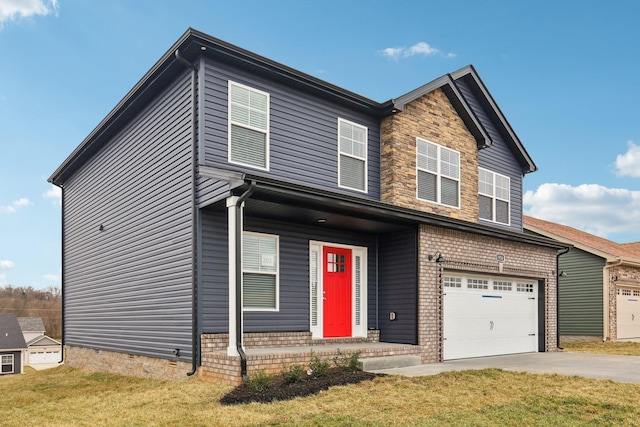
(580, 293)
(303, 132)
(294, 273)
(497, 158)
(398, 287)
(210, 190)
(128, 288)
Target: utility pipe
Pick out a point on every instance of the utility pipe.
(560, 252)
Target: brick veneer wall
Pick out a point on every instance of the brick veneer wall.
(431, 117)
(124, 364)
(622, 275)
(474, 253)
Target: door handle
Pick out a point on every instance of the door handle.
(491, 325)
(633, 316)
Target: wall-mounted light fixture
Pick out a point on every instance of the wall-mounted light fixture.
(437, 257)
(614, 277)
(322, 220)
(562, 273)
(101, 228)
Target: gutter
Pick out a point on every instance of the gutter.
(239, 312)
(62, 281)
(560, 252)
(194, 217)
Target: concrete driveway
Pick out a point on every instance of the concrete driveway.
(624, 369)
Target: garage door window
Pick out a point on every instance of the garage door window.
(452, 282)
(502, 286)
(477, 284)
(524, 287)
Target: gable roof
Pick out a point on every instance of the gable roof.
(193, 45)
(599, 246)
(31, 324)
(42, 341)
(11, 337)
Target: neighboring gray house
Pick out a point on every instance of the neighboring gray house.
(41, 349)
(230, 202)
(12, 345)
(599, 285)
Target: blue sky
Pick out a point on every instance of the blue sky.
(563, 73)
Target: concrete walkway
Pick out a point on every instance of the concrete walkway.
(624, 369)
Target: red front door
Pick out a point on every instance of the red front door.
(337, 292)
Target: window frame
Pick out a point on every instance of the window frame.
(12, 364)
(231, 123)
(364, 159)
(275, 273)
(438, 174)
(494, 197)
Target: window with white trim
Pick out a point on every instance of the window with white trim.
(352, 155)
(494, 196)
(248, 126)
(6, 364)
(260, 279)
(438, 173)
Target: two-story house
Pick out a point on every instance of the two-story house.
(232, 212)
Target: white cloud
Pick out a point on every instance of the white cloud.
(14, 9)
(54, 193)
(14, 206)
(629, 162)
(51, 278)
(6, 264)
(420, 48)
(589, 207)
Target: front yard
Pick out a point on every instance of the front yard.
(64, 396)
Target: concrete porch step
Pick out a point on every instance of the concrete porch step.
(389, 362)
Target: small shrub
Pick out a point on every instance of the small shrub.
(317, 366)
(348, 362)
(260, 381)
(292, 374)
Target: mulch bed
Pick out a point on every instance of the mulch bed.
(280, 390)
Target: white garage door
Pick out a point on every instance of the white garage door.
(628, 300)
(38, 357)
(489, 316)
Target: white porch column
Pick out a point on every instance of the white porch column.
(232, 201)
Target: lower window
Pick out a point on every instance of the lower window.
(6, 362)
(260, 272)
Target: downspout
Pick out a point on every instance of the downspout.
(194, 218)
(560, 252)
(63, 270)
(606, 279)
(239, 313)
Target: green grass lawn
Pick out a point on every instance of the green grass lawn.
(65, 396)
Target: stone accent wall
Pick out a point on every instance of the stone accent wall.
(124, 364)
(622, 275)
(469, 252)
(431, 117)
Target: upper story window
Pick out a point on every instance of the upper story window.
(494, 196)
(260, 281)
(438, 173)
(248, 126)
(352, 156)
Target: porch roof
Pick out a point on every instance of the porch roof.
(279, 200)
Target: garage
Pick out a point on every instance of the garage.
(628, 302)
(487, 316)
(50, 356)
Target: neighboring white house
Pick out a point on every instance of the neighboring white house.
(41, 349)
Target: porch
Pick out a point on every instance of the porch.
(275, 351)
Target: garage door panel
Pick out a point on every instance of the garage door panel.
(628, 318)
(484, 322)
